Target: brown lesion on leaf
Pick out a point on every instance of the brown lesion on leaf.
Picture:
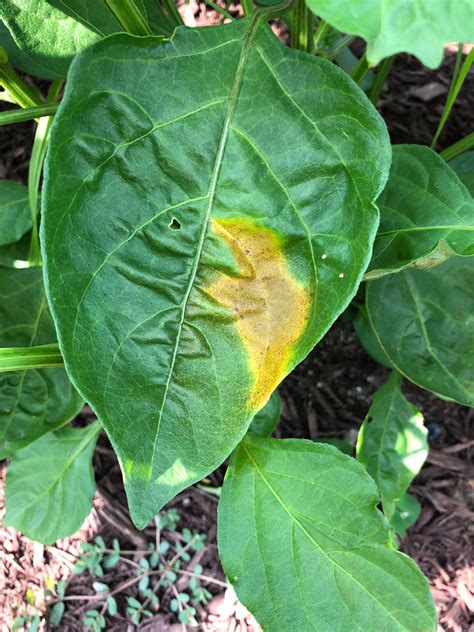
(271, 308)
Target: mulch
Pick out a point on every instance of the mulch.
(327, 396)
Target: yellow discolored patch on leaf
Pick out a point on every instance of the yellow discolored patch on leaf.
(271, 308)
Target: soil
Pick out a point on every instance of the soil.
(328, 395)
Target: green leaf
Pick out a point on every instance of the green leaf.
(463, 165)
(15, 216)
(112, 608)
(426, 213)
(56, 613)
(424, 322)
(368, 339)
(392, 443)
(265, 421)
(192, 253)
(36, 401)
(42, 36)
(310, 550)
(412, 26)
(407, 511)
(50, 484)
(43, 39)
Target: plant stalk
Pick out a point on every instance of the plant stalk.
(129, 16)
(21, 92)
(361, 69)
(302, 27)
(27, 114)
(24, 358)
(247, 7)
(458, 148)
(35, 170)
(321, 32)
(173, 12)
(456, 85)
(380, 79)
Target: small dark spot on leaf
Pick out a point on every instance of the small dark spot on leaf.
(174, 224)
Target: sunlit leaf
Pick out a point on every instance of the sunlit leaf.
(392, 443)
(50, 484)
(36, 401)
(305, 547)
(193, 256)
(424, 322)
(419, 27)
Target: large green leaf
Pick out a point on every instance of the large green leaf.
(426, 213)
(191, 251)
(50, 484)
(305, 548)
(42, 36)
(419, 27)
(392, 443)
(463, 165)
(15, 215)
(424, 322)
(32, 402)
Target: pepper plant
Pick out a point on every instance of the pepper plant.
(212, 201)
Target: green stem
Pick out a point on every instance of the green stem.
(343, 43)
(302, 27)
(35, 170)
(173, 12)
(456, 85)
(321, 32)
(21, 92)
(458, 148)
(361, 69)
(219, 9)
(247, 7)
(24, 358)
(27, 114)
(129, 16)
(380, 79)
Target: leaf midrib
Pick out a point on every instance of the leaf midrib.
(232, 103)
(310, 537)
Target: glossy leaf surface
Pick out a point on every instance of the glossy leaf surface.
(424, 321)
(50, 484)
(392, 443)
(15, 216)
(193, 253)
(36, 401)
(419, 27)
(265, 421)
(426, 213)
(463, 165)
(302, 542)
(42, 36)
